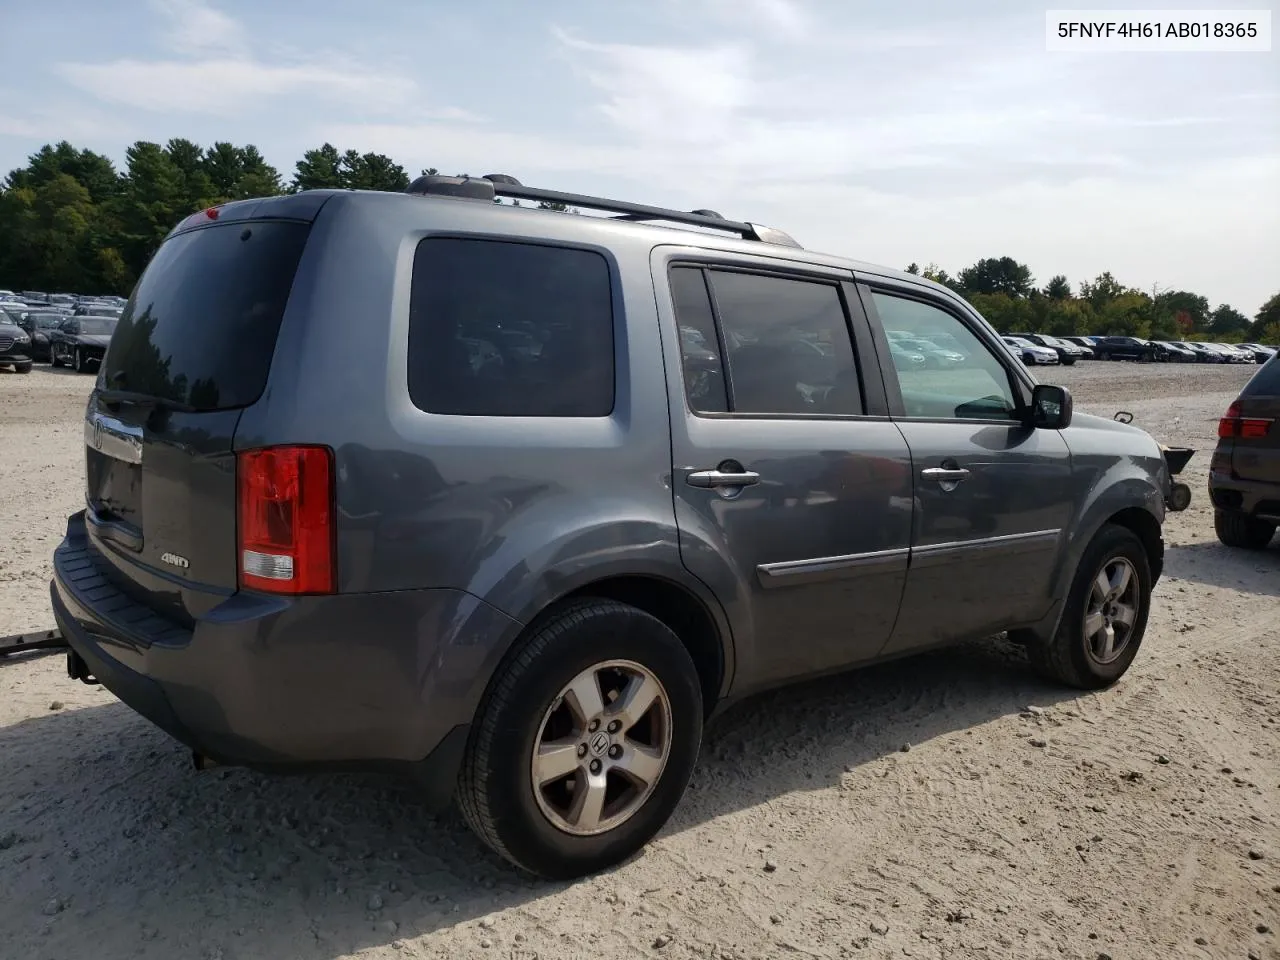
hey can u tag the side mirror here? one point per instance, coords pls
(1050, 407)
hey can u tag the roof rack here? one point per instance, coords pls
(494, 185)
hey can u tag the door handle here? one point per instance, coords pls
(719, 478)
(945, 474)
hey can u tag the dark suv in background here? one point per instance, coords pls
(578, 483)
(1244, 474)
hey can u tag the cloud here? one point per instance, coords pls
(195, 28)
(214, 70)
(228, 87)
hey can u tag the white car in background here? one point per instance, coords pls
(1031, 354)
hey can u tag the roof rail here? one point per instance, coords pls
(494, 185)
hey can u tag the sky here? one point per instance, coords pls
(918, 131)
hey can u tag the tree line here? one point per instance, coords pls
(70, 221)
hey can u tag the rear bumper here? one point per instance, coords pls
(1256, 498)
(362, 681)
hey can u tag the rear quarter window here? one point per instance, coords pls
(202, 323)
(508, 329)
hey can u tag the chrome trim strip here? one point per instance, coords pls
(793, 572)
(113, 438)
(1012, 544)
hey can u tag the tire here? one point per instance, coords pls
(529, 691)
(22, 367)
(1068, 360)
(77, 361)
(1071, 657)
(54, 359)
(1241, 530)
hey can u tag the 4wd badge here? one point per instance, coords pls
(175, 561)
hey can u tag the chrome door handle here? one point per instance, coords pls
(717, 478)
(945, 474)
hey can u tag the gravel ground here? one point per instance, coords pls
(947, 806)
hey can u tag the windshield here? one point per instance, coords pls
(47, 321)
(97, 326)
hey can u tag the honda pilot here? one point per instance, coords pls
(571, 485)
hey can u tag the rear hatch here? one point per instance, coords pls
(1255, 448)
(192, 349)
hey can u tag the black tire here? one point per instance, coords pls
(495, 792)
(22, 367)
(1068, 360)
(1066, 658)
(1241, 530)
(77, 361)
(54, 359)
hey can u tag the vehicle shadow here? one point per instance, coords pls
(103, 822)
(1214, 565)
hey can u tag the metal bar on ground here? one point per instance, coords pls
(37, 640)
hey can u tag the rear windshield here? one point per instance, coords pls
(201, 325)
(96, 326)
(1266, 382)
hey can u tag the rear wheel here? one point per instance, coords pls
(585, 741)
(1242, 530)
(77, 361)
(54, 358)
(1105, 617)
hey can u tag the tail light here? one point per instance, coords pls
(284, 512)
(1235, 426)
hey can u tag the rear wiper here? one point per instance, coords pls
(113, 397)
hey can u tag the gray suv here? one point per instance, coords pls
(513, 500)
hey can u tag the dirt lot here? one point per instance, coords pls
(948, 806)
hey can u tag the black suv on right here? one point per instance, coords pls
(1244, 475)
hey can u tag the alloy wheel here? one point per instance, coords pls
(601, 747)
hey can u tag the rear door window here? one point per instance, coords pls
(507, 329)
(788, 345)
(201, 326)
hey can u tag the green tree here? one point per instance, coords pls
(1128, 315)
(1228, 321)
(1265, 319)
(1057, 288)
(935, 273)
(319, 169)
(997, 275)
(1182, 312)
(1004, 311)
(913, 267)
(1103, 290)
(371, 171)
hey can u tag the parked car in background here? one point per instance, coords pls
(80, 342)
(1177, 352)
(1261, 352)
(41, 326)
(1230, 353)
(1203, 352)
(1068, 352)
(1126, 348)
(1244, 474)
(1031, 354)
(530, 583)
(15, 347)
(1084, 342)
(935, 357)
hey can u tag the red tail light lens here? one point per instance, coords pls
(1245, 428)
(1227, 425)
(285, 510)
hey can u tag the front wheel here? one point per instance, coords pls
(77, 361)
(585, 741)
(1241, 530)
(22, 367)
(1105, 617)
